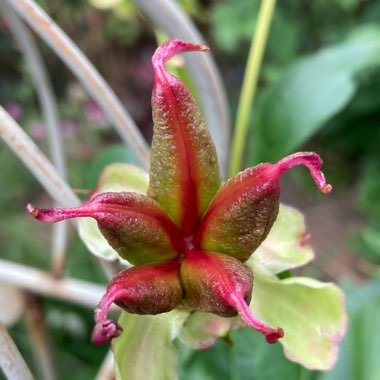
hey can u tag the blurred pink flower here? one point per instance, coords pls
(37, 130)
(3, 25)
(94, 113)
(14, 109)
(69, 128)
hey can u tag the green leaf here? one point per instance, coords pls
(310, 93)
(210, 364)
(249, 358)
(115, 177)
(145, 349)
(311, 313)
(115, 154)
(348, 5)
(234, 22)
(252, 354)
(369, 189)
(358, 358)
(370, 237)
(283, 248)
(365, 341)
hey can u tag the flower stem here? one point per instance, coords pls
(250, 83)
(39, 282)
(37, 329)
(12, 363)
(86, 73)
(33, 158)
(40, 78)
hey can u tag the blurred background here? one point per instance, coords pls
(319, 90)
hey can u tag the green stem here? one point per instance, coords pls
(250, 83)
(304, 374)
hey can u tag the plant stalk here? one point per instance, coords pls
(249, 86)
(35, 319)
(36, 161)
(41, 82)
(38, 282)
(38, 164)
(11, 362)
(86, 73)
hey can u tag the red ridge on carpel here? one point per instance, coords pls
(261, 176)
(147, 289)
(244, 181)
(168, 93)
(132, 204)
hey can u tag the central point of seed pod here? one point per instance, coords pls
(189, 243)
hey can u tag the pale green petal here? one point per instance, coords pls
(283, 249)
(311, 313)
(145, 349)
(104, 4)
(123, 177)
(115, 177)
(95, 242)
(201, 330)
